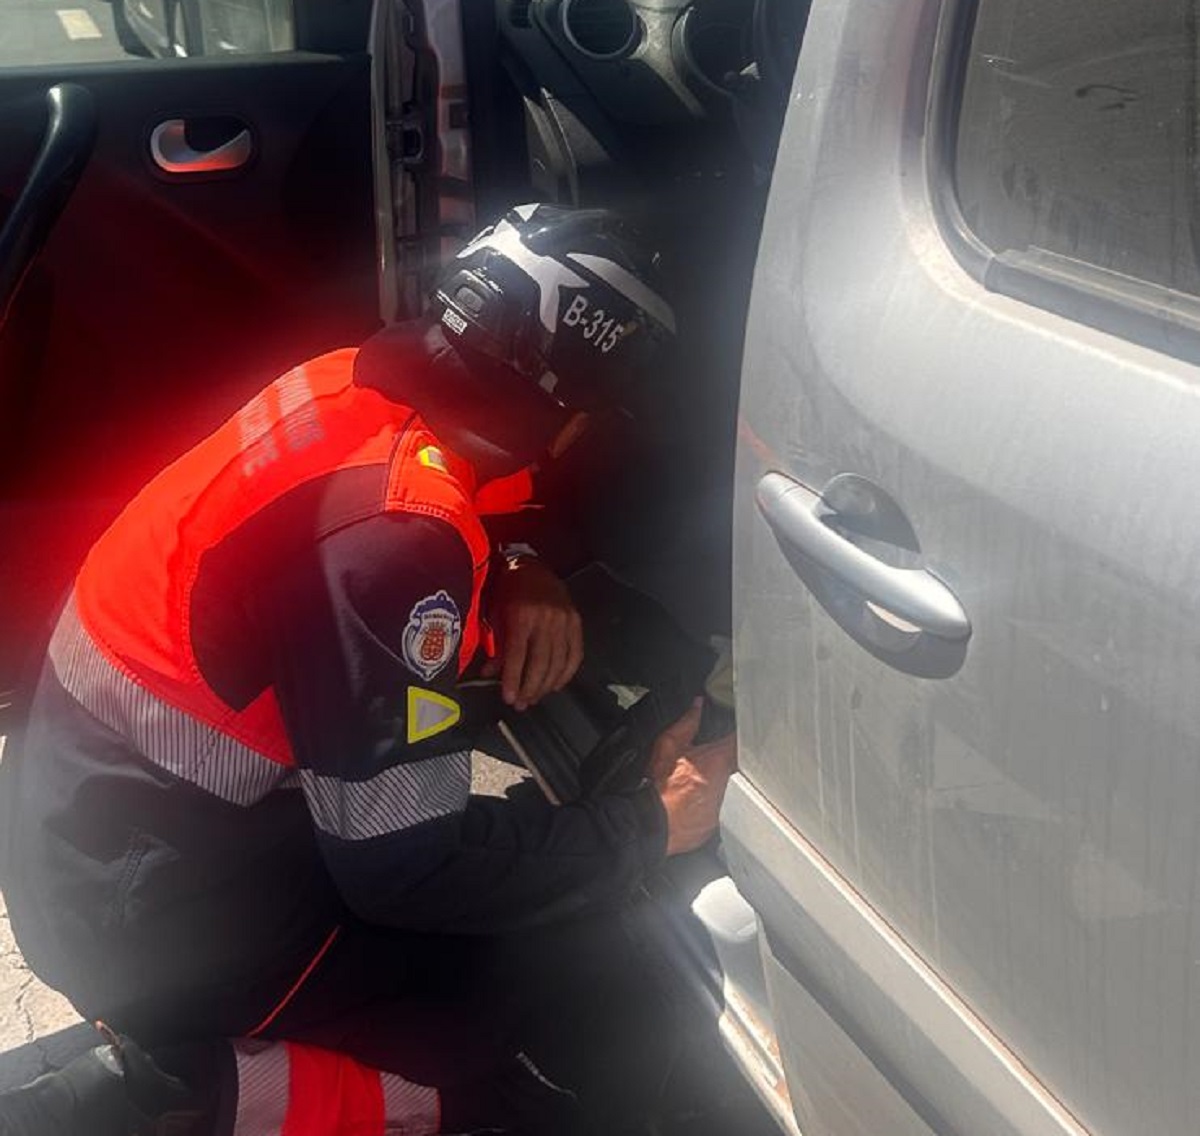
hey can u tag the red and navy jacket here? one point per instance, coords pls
(246, 732)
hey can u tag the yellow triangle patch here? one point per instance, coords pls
(430, 714)
(433, 458)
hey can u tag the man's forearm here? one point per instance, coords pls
(503, 865)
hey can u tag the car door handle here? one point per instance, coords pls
(66, 147)
(173, 154)
(915, 595)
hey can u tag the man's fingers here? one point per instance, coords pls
(537, 666)
(672, 741)
(574, 657)
(560, 650)
(541, 654)
(661, 763)
(554, 647)
(543, 647)
(718, 756)
(516, 646)
(567, 650)
(679, 735)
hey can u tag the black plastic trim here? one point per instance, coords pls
(332, 26)
(71, 128)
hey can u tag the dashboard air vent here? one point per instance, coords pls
(602, 29)
(518, 13)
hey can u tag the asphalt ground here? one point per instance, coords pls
(28, 1009)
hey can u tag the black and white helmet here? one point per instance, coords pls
(568, 298)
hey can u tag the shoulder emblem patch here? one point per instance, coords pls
(432, 635)
(430, 714)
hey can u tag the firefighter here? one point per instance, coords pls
(241, 810)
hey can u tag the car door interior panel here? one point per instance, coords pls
(158, 299)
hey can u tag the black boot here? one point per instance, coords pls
(112, 1090)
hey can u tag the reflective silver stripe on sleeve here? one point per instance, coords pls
(391, 801)
(171, 738)
(408, 1109)
(264, 1083)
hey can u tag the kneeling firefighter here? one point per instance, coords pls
(239, 828)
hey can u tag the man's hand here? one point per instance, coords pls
(691, 780)
(540, 633)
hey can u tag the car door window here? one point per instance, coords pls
(1077, 138)
(97, 31)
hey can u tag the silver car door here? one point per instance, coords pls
(967, 572)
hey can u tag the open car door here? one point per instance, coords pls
(173, 233)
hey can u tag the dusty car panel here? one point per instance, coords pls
(1013, 812)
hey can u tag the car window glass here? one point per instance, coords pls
(1077, 134)
(66, 32)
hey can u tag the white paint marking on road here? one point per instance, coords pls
(78, 24)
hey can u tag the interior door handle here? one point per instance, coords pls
(173, 154)
(916, 596)
(66, 147)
